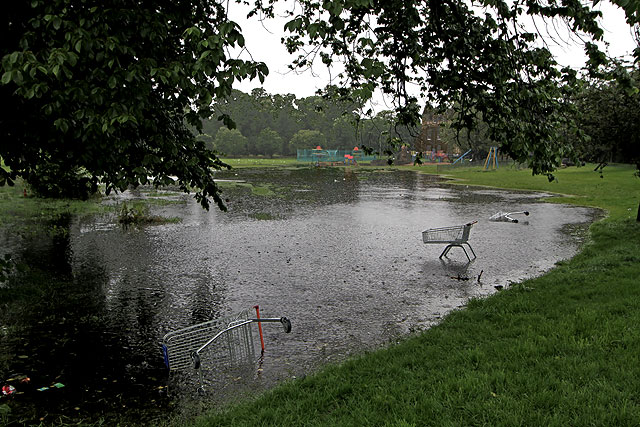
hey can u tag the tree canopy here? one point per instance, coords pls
(114, 88)
(609, 114)
(112, 91)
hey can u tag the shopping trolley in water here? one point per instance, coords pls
(506, 216)
(455, 236)
(222, 341)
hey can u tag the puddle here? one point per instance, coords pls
(339, 253)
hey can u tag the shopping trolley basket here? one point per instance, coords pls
(455, 236)
(231, 336)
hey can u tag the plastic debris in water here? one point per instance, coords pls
(8, 389)
(506, 216)
(56, 385)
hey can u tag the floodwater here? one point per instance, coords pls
(339, 253)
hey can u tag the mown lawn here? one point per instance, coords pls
(559, 350)
(261, 162)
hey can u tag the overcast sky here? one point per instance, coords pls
(263, 41)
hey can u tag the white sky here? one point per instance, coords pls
(263, 42)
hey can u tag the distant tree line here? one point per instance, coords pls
(268, 125)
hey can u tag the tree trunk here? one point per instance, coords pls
(638, 216)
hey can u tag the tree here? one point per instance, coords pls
(230, 142)
(307, 139)
(344, 131)
(268, 142)
(112, 90)
(475, 139)
(608, 112)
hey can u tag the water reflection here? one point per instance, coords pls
(340, 253)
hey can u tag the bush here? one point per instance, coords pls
(52, 181)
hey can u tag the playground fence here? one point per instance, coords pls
(332, 156)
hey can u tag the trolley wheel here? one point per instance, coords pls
(286, 324)
(196, 360)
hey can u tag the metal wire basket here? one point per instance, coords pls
(221, 342)
(454, 236)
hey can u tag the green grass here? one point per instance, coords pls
(138, 214)
(618, 191)
(15, 206)
(559, 350)
(261, 162)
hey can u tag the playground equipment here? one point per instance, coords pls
(356, 154)
(188, 347)
(492, 159)
(455, 236)
(349, 160)
(461, 157)
(506, 216)
(319, 155)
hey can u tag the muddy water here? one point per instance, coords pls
(339, 253)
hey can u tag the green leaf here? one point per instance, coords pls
(293, 25)
(17, 77)
(313, 30)
(72, 58)
(6, 77)
(206, 98)
(225, 28)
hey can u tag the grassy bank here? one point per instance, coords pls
(562, 349)
(616, 191)
(17, 203)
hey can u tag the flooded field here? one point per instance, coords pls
(340, 253)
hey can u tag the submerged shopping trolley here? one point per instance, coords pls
(506, 216)
(455, 236)
(225, 341)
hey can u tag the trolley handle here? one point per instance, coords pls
(471, 223)
(286, 323)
